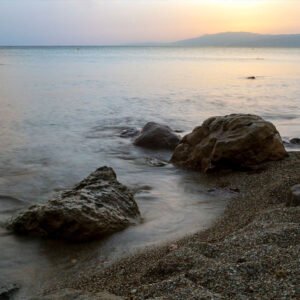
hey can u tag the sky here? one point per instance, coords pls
(111, 22)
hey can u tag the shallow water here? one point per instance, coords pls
(62, 111)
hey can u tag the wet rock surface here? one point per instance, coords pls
(157, 136)
(97, 206)
(295, 141)
(292, 143)
(129, 132)
(232, 141)
(155, 162)
(7, 291)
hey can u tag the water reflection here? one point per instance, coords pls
(61, 115)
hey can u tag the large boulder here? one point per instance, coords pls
(157, 136)
(236, 140)
(95, 207)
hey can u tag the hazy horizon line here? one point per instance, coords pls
(153, 43)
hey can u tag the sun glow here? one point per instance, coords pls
(239, 3)
(261, 16)
(126, 21)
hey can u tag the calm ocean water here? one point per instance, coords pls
(61, 113)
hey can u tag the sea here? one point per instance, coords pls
(62, 114)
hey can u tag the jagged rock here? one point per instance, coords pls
(294, 196)
(97, 206)
(237, 140)
(157, 136)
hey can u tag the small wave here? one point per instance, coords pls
(10, 204)
(291, 143)
(280, 116)
(110, 131)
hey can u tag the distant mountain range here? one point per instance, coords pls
(242, 39)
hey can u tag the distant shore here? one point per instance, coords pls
(250, 251)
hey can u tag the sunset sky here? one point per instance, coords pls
(102, 22)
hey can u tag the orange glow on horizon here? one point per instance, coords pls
(126, 21)
(259, 16)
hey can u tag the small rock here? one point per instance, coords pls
(295, 141)
(130, 132)
(294, 196)
(280, 273)
(251, 77)
(157, 136)
(154, 162)
(173, 247)
(7, 291)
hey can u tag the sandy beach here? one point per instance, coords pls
(251, 252)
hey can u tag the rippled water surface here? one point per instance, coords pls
(62, 111)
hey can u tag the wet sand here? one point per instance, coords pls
(250, 252)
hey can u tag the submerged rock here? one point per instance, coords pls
(97, 206)
(7, 291)
(237, 140)
(129, 132)
(154, 162)
(294, 196)
(157, 136)
(295, 141)
(291, 143)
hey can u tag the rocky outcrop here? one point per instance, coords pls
(157, 136)
(97, 206)
(237, 140)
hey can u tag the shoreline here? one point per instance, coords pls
(250, 251)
